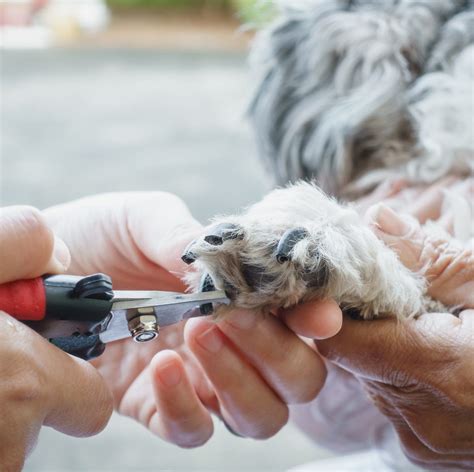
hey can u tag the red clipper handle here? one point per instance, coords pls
(25, 300)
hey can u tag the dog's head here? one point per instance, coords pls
(336, 99)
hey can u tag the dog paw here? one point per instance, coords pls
(270, 256)
(297, 245)
(260, 266)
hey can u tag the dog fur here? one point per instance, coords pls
(351, 93)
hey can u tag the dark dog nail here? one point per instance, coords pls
(223, 232)
(206, 285)
(288, 242)
(188, 256)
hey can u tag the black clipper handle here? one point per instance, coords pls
(71, 297)
(84, 346)
(83, 299)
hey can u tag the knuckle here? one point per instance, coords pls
(417, 453)
(24, 378)
(311, 394)
(33, 225)
(32, 220)
(187, 434)
(440, 445)
(308, 390)
(330, 349)
(103, 406)
(23, 385)
(441, 258)
(268, 429)
(193, 440)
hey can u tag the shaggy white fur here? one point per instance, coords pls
(352, 92)
(296, 245)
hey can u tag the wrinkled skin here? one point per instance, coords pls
(419, 373)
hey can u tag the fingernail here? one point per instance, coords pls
(241, 319)
(170, 375)
(61, 254)
(390, 222)
(211, 340)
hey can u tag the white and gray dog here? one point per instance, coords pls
(351, 93)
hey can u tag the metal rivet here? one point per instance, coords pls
(143, 328)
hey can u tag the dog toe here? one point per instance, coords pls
(223, 232)
(287, 242)
(189, 256)
(206, 285)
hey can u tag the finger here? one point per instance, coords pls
(446, 264)
(402, 234)
(286, 363)
(162, 226)
(83, 403)
(28, 247)
(374, 350)
(385, 190)
(446, 221)
(424, 456)
(315, 320)
(179, 417)
(248, 405)
(383, 349)
(428, 204)
(72, 395)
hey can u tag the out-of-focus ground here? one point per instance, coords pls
(81, 121)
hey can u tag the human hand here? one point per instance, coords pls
(419, 372)
(244, 369)
(40, 384)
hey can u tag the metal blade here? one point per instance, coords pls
(169, 308)
(115, 327)
(162, 299)
(122, 295)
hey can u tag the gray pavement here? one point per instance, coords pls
(76, 122)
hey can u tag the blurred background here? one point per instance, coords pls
(134, 95)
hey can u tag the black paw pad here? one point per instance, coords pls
(188, 256)
(223, 232)
(206, 285)
(287, 242)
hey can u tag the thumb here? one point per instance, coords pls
(28, 248)
(64, 392)
(78, 401)
(447, 265)
(82, 403)
(379, 350)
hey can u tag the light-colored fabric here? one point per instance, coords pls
(343, 419)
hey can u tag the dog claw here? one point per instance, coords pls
(223, 232)
(288, 242)
(188, 256)
(206, 285)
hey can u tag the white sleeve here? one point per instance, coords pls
(341, 418)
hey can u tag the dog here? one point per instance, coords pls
(351, 93)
